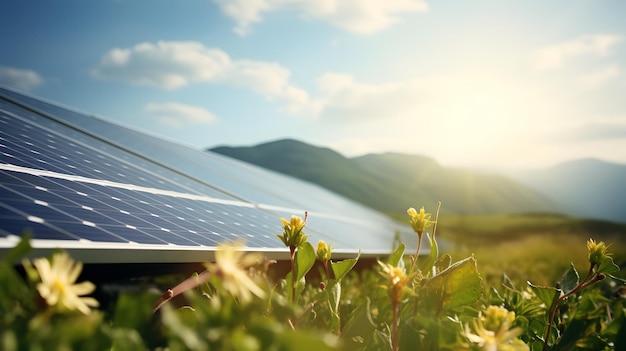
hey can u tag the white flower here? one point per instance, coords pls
(58, 286)
(493, 331)
(230, 264)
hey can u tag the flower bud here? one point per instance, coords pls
(597, 251)
(323, 252)
(293, 235)
(419, 220)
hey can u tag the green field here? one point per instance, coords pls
(534, 247)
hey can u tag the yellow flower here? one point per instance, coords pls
(323, 252)
(419, 221)
(231, 265)
(397, 278)
(597, 251)
(293, 235)
(492, 331)
(57, 283)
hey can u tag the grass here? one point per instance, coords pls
(534, 247)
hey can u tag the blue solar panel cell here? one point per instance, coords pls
(79, 181)
(252, 183)
(79, 155)
(102, 207)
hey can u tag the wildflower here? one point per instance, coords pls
(230, 265)
(398, 280)
(292, 235)
(493, 331)
(597, 251)
(419, 221)
(57, 283)
(323, 252)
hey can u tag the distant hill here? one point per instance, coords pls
(393, 182)
(589, 187)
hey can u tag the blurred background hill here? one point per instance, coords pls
(585, 187)
(392, 182)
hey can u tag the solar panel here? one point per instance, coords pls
(112, 194)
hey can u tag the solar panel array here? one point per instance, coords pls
(113, 194)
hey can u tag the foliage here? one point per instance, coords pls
(404, 302)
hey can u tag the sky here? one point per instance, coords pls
(483, 84)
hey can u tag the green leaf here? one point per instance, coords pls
(305, 258)
(179, 331)
(188, 316)
(546, 294)
(300, 287)
(396, 257)
(333, 291)
(432, 257)
(607, 266)
(570, 279)
(457, 286)
(126, 340)
(443, 262)
(289, 286)
(360, 324)
(341, 268)
(573, 334)
(306, 341)
(334, 295)
(133, 311)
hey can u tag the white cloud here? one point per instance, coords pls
(587, 45)
(268, 79)
(245, 12)
(173, 114)
(22, 79)
(172, 65)
(362, 16)
(358, 16)
(166, 64)
(596, 78)
(341, 97)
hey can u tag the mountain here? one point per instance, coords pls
(590, 187)
(392, 182)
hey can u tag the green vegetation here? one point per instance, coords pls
(536, 247)
(390, 183)
(405, 302)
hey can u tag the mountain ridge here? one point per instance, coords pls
(588, 187)
(392, 182)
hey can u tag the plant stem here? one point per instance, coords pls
(417, 252)
(436, 218)
(327, 271)
(395, 336)
(583, 284)
(292, 256)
